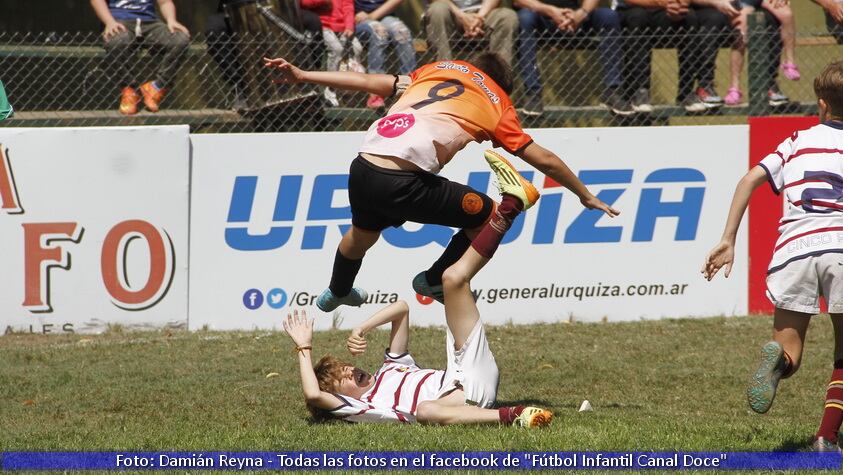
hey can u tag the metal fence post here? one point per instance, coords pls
(758, 63)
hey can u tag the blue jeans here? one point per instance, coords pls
(603, 21)
(378, 35)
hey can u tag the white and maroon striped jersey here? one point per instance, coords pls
(400, 385)
(808, 169)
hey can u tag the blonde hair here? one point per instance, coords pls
(328, 371)
(828, 86)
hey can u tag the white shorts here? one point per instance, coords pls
(472, 368)
(800, 284)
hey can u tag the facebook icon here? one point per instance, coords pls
(252, 299)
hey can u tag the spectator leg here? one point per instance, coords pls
(333, 49)
(403, 40)
(440, 27)
(787, 30)
(118, 53)
(638, 42)
(684, 34)
(376, 38)
(223, 50)
(715, 32)
(502, 23)
(530, 23)
(607, 24)
(775, 49)
(311, 58)
(173, 45)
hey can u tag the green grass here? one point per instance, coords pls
(657, 385)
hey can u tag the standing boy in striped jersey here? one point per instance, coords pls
(808, 258)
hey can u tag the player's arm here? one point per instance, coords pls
(380, 84)
(551, 165)
(723, 253)
(300, 330)
(398, 314)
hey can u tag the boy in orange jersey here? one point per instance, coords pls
(442, 107)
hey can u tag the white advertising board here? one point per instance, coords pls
(268, 211)
(94, 227)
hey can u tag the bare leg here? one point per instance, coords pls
(739, 48)
(461, 312)
(357, 241)
(789, 329)
(451, 409)
(788, 31)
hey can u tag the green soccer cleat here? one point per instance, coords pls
(511, 182)
(762, 384)
(328, 302)
(822, 445)
(422, 287)
(533, 417)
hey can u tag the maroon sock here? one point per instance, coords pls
(509, 414)
(788, 366)
(833, 413)
(489, 238)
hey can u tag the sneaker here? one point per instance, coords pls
(640, 101)
(733, 97)
(533, 106)
(152, 96)
(693, 104)
(708, 96)
(422, 287)
(532, 417)
(330, 97)
(617, 104)
(511, 182)
(791, 71)
(822, 445)
(775, 97)
(762, 385)
(129, 100)
(328, 302)
(375, 102)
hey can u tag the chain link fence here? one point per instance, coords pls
(68, 79)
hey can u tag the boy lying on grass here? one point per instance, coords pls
(400, 391)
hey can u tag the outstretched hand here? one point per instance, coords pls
(594, 202)
(356, 342)
(287, 72)
(299, 328)
(723, 255)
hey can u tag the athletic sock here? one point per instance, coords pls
(456, 248)
(489, 238)
(833, 412)
(787, 370)
(345, 271)
(508, 414)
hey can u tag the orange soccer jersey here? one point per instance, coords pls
(447, 105)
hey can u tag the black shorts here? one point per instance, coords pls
(381, 198)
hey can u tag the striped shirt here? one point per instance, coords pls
(808, 169)
(400, 386)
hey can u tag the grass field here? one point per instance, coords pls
(660, 385)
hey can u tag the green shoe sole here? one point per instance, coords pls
(762, 384)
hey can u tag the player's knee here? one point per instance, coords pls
(454, 277)
(426, 412)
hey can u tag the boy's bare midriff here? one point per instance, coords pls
(391, 163)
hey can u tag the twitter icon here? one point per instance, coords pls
(276, 298)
